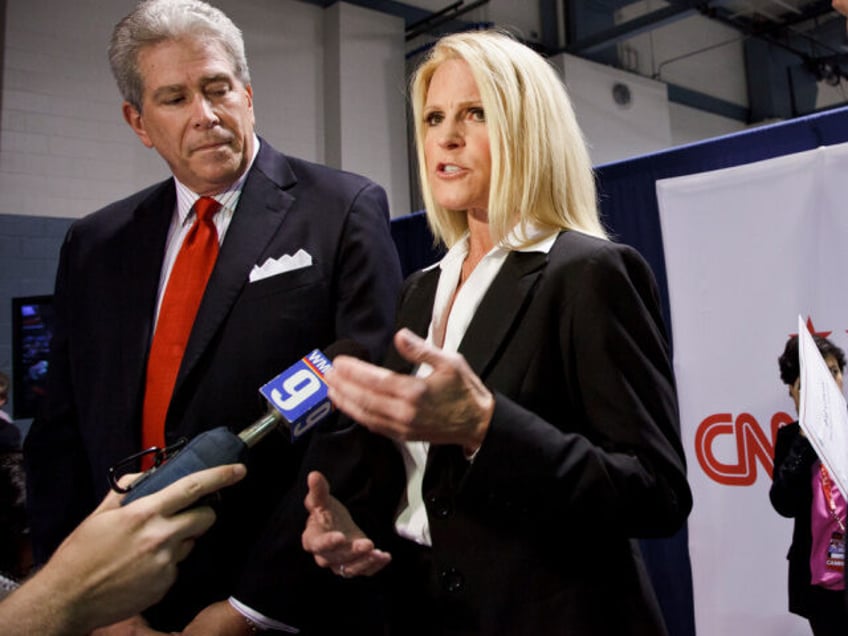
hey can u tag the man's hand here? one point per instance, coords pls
(120, 560)
(135, 626)
(219, 619)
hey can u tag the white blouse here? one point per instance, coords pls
(411, 521)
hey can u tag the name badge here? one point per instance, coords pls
(836, 553)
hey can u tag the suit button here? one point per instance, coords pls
(452, 580)
(440, 506)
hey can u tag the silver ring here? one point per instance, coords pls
(342, 572)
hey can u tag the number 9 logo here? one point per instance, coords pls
(300, 386)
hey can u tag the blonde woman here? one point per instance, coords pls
(529, 399)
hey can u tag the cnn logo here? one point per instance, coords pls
(742, 437)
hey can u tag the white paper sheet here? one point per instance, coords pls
(824, 415)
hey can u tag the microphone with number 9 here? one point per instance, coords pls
(298, 399)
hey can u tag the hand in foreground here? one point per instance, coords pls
(841, 6)
(450, 406)
(218, 619)
(135, 626)
(333, 538)
(118, 561)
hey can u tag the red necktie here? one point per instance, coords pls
(183, 292)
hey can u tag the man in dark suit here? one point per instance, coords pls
(304, 258)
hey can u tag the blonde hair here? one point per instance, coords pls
(541, 171)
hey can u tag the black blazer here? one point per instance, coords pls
(536, 536)
(791, 495)
(244, 334)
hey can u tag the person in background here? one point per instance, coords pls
(529, 400)
(10, 435)
(175, 304)
(803, 490)
(842, 7)
(117, 561)
(15, 556)
(15, 549)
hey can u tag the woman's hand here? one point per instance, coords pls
(449, 406)
(333, 538)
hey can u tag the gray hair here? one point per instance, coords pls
(155, 21)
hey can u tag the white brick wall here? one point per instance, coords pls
(64, 147)
(359, 142)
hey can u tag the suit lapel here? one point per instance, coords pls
(260, 212)
(500, 308)
(415, 314)
(493, 322)
(494, 319)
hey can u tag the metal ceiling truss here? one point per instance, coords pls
(805, 29)
(808, 32)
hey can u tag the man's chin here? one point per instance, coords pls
(222, 173)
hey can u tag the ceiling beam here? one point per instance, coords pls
(780, 34)
(410, 14)
(631, 28)
(417, 21)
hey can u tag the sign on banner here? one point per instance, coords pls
(823, 417)
(747, 249)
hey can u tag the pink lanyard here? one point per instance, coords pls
(827, 489)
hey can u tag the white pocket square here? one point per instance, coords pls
(276, 266)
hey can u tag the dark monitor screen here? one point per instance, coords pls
(32, 330)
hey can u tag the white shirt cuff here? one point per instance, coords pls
(262, 622)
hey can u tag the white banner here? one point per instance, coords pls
(747, 250)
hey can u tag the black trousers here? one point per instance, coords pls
(828, 612)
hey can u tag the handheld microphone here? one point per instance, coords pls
(297, 399)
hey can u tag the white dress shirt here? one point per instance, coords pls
(181, 222)
(184, 216)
